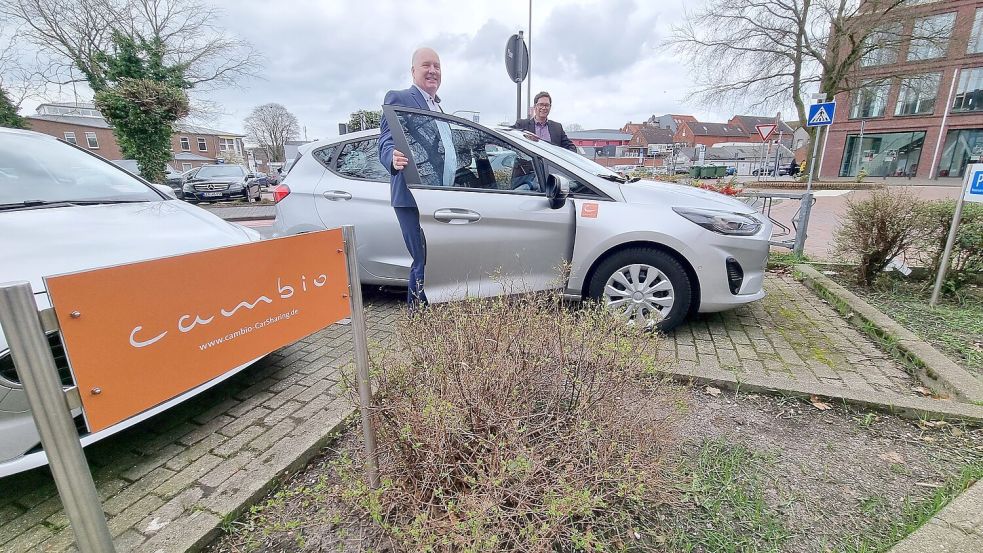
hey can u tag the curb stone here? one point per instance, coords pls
(903, 406)
(937, 371)
(957, 528)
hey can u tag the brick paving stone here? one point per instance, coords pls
(188, 474)
(245, 421)
(144, 486)
(133, 514)
(238, 441)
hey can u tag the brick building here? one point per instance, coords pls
(691, 133)
(599, 142)
(935, 74)
(83, 125)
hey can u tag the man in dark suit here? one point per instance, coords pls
(425, 69)
(540, 125)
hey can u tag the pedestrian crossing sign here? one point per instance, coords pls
(821, 115)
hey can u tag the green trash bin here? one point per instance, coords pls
(719, 172)
(695, 171)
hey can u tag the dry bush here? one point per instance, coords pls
(518, 424)
(877, 229)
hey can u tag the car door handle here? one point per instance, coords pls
(337, 195)
(456, 216)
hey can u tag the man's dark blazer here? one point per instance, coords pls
(557, 136)
(399, 193)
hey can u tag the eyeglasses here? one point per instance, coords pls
(543, 105)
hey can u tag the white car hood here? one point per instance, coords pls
(44, 242)
(677, 195)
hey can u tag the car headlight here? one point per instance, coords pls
(721, 222)
(188, 187)
(236, 186)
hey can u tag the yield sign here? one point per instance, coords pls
(766, 130)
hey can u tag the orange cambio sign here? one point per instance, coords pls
(140, 334)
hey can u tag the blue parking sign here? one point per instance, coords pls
(974, 188)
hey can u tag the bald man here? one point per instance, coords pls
(425, 71)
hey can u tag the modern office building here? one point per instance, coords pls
(919, 109)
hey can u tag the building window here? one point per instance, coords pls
(962, 147)
(185, 144)
(186, 167)
(226, 144)
(969, 93)
(976, 37)
(930, 37)
(91, 140)
(869, 100)
(202, 146)
(70, 138)
(883, 155)
(881, 46)
(917, 95)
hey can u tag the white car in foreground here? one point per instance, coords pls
(501, 208)
(64, 210)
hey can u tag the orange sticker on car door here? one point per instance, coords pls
(589, 210)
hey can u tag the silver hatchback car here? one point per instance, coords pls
(518, 210)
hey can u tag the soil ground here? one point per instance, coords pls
(755, 473)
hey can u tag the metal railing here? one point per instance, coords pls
(784, 236)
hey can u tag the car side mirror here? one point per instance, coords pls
(557, 190)
(250, 175)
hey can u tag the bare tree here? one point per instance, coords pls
(73, 35)
(271, 126)
(771, 53)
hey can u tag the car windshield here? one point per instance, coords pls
(575, 159)
(41, 170)
(219, 171)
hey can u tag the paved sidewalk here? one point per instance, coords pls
(241, 213)
(831, 205)
(167, 484)
(790, 335)
(958, 528)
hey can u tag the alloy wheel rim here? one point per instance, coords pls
(640, 292)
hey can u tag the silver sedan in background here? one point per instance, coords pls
(503, 211)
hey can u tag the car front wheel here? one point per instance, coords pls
(646, 285)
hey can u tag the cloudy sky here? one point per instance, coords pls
(603, 61)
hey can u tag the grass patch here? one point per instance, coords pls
(729, 512)
(785, 260)
(954, 327)
(913, 514)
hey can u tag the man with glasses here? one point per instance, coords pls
(540, 124)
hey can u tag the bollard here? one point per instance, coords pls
(39, 376)
(361, 356)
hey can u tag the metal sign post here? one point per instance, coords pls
(972, 192)
(361, 357)
(49, 407)
(820, 115)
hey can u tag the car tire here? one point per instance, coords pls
(662, 277)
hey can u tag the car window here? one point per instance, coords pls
(38, 169)
(449, 154)
(578, 188)
(219, 171)
(361, 161)
(324, 155)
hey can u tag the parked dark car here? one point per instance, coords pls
(214, 183)
(170, 175)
